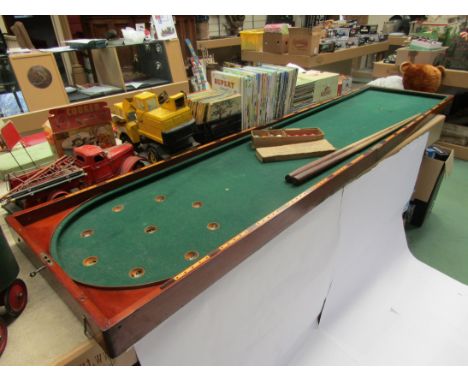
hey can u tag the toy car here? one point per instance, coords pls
(89, 165)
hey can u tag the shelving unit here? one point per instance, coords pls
(398, 40)
(309, 62)
(106, 58)
(219, 42)
(452, 77)
(223, 49)
(122, 67)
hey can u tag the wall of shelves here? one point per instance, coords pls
(108, 71)
(32, 121)
(309, 62)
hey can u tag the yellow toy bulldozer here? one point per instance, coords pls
(158, 125)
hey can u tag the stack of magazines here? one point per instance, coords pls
(266, 91)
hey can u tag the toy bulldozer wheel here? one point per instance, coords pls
(3, 336)
(153, 154)
(15, 298)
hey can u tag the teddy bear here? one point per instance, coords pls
(421, 77)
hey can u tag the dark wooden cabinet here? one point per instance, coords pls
(100, 26)
(185, 26)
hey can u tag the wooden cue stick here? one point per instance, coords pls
(311, 169)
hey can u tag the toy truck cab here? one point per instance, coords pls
(101, 164)
(129, 114)
(170, 125)
(158, 125)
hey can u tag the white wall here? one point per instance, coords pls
(257, 21)
(218, 29)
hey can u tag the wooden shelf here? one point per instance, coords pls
(398, 40)
(108, 71)
(218, 42)
(308, 62)
(32, 122)
(452, 77)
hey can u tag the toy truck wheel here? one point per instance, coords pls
(3, 336)
(153, 154)
(15, 298)
(130, 164)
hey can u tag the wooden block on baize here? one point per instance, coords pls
(294, 151)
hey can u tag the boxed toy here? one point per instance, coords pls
(327, 46)
(342, 33)
(304, 41)
(74, 126)
(368, 29)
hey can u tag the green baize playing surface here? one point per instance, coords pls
(235, 189)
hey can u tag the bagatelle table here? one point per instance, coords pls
(152, 240)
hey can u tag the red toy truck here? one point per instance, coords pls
(90, 165)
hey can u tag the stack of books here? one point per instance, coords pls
(304, 92)
(314, 86)
(213, 105)
(266, 91)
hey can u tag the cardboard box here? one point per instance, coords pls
(74, 126)
(275, 42)
(430, 176)
(91, 354)
(460, 152)
(455, 134)
(304, 41)
(64, 142)
(418, 56)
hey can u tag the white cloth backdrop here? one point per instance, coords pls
(386, 307)
(382, 305)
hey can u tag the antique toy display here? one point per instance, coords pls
(83, 139)
(133, 250)
(157, 125)
(89, 165)
(74, 126)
